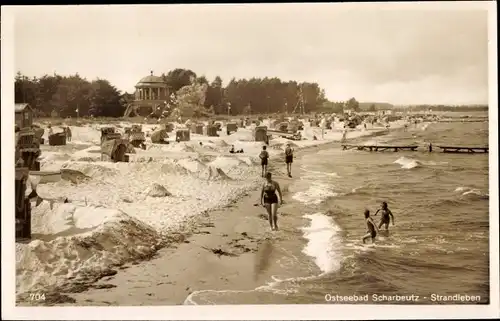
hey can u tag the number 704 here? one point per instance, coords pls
(37, 296)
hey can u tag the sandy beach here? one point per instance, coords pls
(102, 247)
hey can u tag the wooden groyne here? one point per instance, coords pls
(414, 148)
(380, 148)
(470, 150)
(463, 120)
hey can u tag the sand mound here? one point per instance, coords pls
(174, 168)
(158, 190)
(249, 161)
(193, 165)
(88, 159)
(76, 243)
(228, 163)
(51, 156)
(220, 143)
(187, 148)
(89, 169)
(212, 173)
(73, 176)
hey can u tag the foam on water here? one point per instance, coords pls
(318, 173)
(470, 191)
(315, 194)
(323, 242)
(407, 163)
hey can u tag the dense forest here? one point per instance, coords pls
(77, 96)
(71, 96)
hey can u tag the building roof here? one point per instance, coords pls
(151, 81)
(21, 107)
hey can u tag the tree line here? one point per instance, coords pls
(71, 96)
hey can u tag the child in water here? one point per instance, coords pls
(386, 216)
(372, 228)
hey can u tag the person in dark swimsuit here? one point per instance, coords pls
(386, 216)
(264, 156)
(269, 199)
(372, 228)
(289, 159)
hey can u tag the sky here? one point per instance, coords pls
(406, 54)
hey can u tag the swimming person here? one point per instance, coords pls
(372, 228)
(289, 159)
(264, 156)
(386, 216)
(269, 199)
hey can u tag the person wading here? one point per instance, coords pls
(269, 199)
(372, 228)
(386, 216)
(264, 157)
(289, 159)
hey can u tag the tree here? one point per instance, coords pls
(190, 100)
(214, 96)
(179, 78)
(105, 100)
(353, 104)
(372, 107)
(72, 96)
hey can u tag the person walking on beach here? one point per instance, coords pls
(264, 156)
(289, 159)
(269, 199)
(372, 228)
(386, 216)
(344, 135)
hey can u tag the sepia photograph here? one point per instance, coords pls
(228, 161)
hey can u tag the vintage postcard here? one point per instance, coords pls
(250, 161)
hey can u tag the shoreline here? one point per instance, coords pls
(174, 249)
(221, 253)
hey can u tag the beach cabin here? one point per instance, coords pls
(116, 150)
(28, 148)
(197, 129)
(231, 128)
(159, 136)
(109, 133)
(169, 127)
(57, 139)
(210, 130)
(136, 136)
(282, 127)
(23, 205)
(24, 115)
(183, 135)
(260, 134)
(218, 125)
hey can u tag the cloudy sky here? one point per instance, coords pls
(402, 55)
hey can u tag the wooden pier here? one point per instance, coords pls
(470, 150)
(463, 120)
(379, 148)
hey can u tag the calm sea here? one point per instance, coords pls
(437, 247)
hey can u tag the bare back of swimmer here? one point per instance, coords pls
(372, 228)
